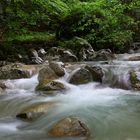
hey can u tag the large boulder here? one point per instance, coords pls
(80, 76)
(135, 79)
(34, 111)
(67, 56)
(70, 126)
(46, 75)
(17, 71)
(102, 55)
(96, 71)
(58, 68)
(41, 53)
(61, 54)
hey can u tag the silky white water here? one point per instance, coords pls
(110, 112)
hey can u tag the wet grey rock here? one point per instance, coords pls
(67, 56)
(41, 53)
(33, 53)
(86, 53)
(80, 76)
(60, 54)
(3, 86)
(54, 86)
(134, 58)
(46, 75)
(70, 126)
(34, 111)
(96, 71)
(36, 60)
(135, 79)
(17, 71)
(102, 55)
(81, 47)
(57, 67)
(3, 63)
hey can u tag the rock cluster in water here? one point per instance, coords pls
(48, 74)
(79, 50)
(34, 111)
(17, 71)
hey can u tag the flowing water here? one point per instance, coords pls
(111, 110)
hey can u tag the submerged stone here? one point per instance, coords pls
(34, 111)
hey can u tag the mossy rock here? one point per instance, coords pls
(135, 81)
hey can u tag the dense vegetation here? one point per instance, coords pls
(104, 23)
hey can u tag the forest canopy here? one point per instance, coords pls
(103, 23)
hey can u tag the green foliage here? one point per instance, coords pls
(32, 37)
(103, 23)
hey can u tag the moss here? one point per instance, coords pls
(32, 36)
(135, 83)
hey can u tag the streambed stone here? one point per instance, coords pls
(34, 111)
(70, 126)
(102, 55)
(80, 76)
(17, 71)
(61, 54)
(67, 56)
(135, 79)
(134, 58)
(2, 87)
(96, 71)
(58, 68)
(54, 86)
(49, 73)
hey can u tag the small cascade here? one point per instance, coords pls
(117, 76)
(26, 84)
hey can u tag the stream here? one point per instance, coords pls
(111, 110)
